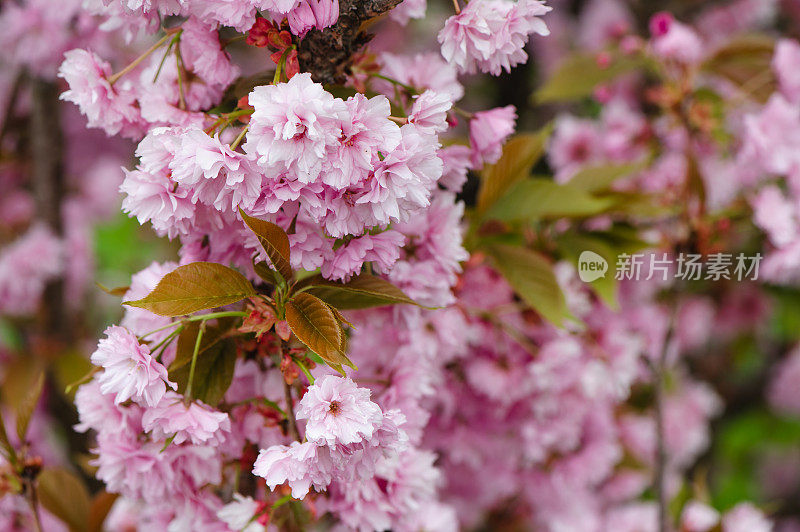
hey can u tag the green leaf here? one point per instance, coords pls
(193, 287)
(362, 291)
(572, 244)
(216, 359)
(532, 278)
(315, 324)
(580, 73)
(600, 178)
(747, 63)
(520, 154)
(64, 495)
(639, 204)
(28, 405)
(533, 199)
(275, 242)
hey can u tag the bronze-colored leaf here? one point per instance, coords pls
(362, 291)
(193, 287)
(28, 405)
(118, 291)
(64, 495)
(747, 63)
(275, 242)
(314, 324)
(101, 505)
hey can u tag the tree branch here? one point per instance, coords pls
(661, 451)
(327, 54)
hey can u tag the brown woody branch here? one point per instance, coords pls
(328, 54)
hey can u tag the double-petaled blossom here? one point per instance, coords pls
(338, 412)
(216, 175)
(129, 369)
(490, 35)
(196, 422)
(106, 106)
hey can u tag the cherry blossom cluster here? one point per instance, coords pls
(472, 408)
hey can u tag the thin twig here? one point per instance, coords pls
(33, 501)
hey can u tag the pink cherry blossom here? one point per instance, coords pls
(429, 112)
(786, 65)
(488, 131)
(489, 35)
(293, 125)
(108, 107)
(195, 422)
(129, 370)
(301, 465)
(217, 176)
(338, 411)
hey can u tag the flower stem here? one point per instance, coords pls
(164, 58)
(457, 8)
(194, 359)
(113, 79)
(305, 371)
(278, 69)
(406, 86)
(239, 138)
(33, 500)
(171, 324)
(165, 342)
(214, 315)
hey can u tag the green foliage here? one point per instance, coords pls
(785, 319)
(193, 287)
(532, 278)
(520, 154)
(740, 441)
(600, 178)
(533, 199)
(579, 75)
(121, 247)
